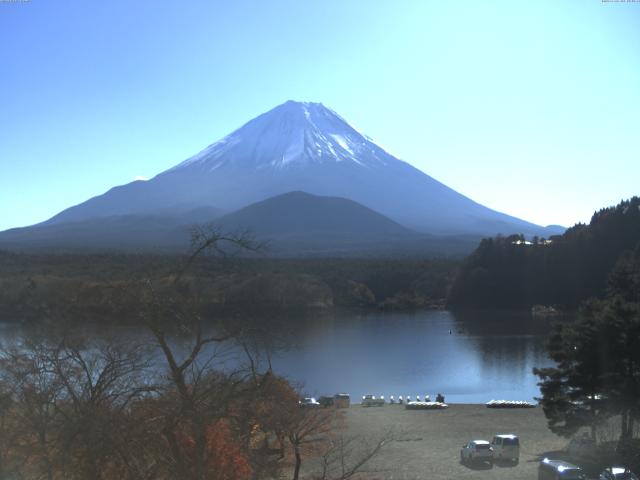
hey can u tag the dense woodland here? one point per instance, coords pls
(563, 271)
(99, 286)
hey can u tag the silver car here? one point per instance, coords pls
(476, 451)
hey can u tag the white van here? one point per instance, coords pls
(506, 447)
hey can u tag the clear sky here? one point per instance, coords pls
(529, 107)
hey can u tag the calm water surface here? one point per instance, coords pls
(470, 358)
(486, 356)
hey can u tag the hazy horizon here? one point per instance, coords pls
(529, 109)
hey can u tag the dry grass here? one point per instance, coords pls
(430, 441)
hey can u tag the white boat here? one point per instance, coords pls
(509, 404)
(426, 406)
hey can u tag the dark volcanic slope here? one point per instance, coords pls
(303, 215)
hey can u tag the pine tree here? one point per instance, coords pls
(597, 374)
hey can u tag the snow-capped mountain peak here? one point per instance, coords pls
(305, 147)
(292, 135)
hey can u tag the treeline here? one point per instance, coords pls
(510, 272)
(100, 286)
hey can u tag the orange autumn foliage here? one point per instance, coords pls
(226, 460)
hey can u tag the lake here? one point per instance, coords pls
(470, 357)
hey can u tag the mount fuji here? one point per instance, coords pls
(303, 147)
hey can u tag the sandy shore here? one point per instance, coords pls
(430, 441)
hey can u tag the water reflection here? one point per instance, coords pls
(469, 356)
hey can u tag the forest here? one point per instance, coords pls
(99, 286)
(562, 271)
(594, 383)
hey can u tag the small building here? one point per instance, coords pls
(342, 400)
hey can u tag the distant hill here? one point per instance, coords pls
(292, 224)
(508, 272)
(298, 222)
(301, 214)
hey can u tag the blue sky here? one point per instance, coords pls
(531, 108)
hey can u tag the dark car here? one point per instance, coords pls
(559, 470)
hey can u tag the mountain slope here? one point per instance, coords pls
(301, 224)
(303, 147)
(164, 231)
(300, 214)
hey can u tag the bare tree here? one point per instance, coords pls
(200, 395)
(347, 457)
(70, 404)
(306, 430)
(33, 395)
(6, 431)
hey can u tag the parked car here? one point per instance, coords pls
(559, 470)
(582, 447)
(309, 402)
(506, 447)
(617, 473)
(476, 451)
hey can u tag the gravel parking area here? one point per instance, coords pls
(430, 441)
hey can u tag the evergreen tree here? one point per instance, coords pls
(597, 374)
(506, 273)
